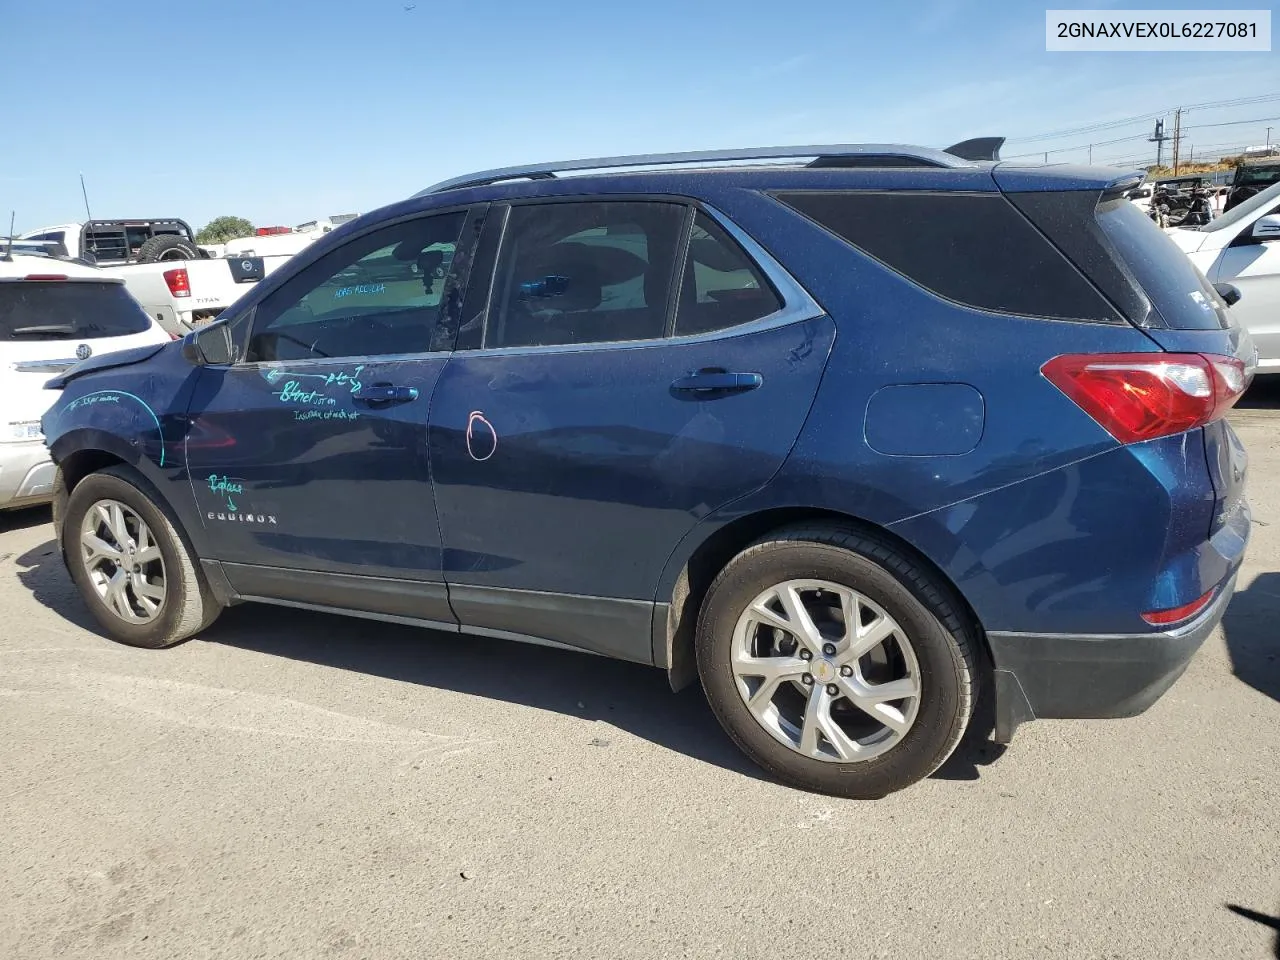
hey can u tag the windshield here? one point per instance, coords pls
(1236, 214)
(1267, 173)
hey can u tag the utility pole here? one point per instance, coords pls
(1268, 139)
(1091, 154)
(1158, 138)
(1177, 137)
(1046, 156)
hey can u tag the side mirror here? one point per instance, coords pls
(1267, 228)
(210, 347)
(1229, 292)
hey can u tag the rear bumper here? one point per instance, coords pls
(1043, 676)
(26, 474)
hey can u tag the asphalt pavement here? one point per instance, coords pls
(305, 786)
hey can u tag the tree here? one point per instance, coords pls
(222, 229)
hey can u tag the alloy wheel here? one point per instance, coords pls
(122, 561)
(826, 670)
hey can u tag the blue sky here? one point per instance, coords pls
(286, 110)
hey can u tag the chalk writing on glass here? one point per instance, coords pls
(360, 288)
(482, 439)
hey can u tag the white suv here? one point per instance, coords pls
(52, 315)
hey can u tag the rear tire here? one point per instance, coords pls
(132, 566)
(167, 247)
(828, 577)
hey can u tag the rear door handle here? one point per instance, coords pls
(715, 382)
(382, 393)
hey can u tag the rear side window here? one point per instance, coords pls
(584, 272)
(1173, 284)
(974, 249)
(722, 286)
(77, 310)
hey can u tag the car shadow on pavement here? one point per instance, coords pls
(1262, 918)
(628, 696)
(1263, 393)
(23, 519)
(1250, 630)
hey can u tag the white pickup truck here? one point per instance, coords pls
(178, 282)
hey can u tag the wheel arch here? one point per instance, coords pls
(83, 452)
(680, 600)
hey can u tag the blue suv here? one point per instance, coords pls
(856, 435)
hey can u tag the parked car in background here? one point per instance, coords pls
(177, 282)
(748, 424)
(53, 314)
(284, 240)
(1251, 178)
(117, 242)
(1140, 196)
(1242, 248)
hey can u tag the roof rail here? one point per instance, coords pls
(828, 155)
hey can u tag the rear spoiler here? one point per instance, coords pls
(979, 148)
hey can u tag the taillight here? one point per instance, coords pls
(178, 281)
(45, 276)
(1165, 618)
(1141, 396)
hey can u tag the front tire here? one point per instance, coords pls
(133, 568)
(836, 662)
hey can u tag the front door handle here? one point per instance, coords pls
(383, 393)
(715, 382)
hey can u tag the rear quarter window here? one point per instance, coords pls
(975, 249)
(77, 310)
(1177, 289)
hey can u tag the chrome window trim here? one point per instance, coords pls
(797, 305)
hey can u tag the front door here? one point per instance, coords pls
(308, 457)
(575, 445)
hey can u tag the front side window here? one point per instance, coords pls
(584, 272)
(377, 295)
(722, 287)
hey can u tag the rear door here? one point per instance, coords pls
(635, 370)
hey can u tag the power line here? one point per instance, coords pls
(1229, 123)
(1141, 136)
(1112, 124)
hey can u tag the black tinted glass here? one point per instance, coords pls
(1173, 284)
(584, 273)
(974, 249)
(722, 286)
(379, 294)
(77, 310)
